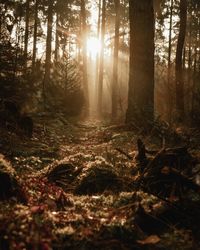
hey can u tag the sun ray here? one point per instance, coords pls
(93, 46)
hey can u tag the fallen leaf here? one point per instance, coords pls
(87, 232)
(165, 170)
(37, 209)
(152, 239)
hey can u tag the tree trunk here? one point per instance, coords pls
(98, 54)
(141, 76)
(57, 38)
(35, 35)
(84, 51)
(26, 33)
(179, 62)
(115, 60)
(188, 100)
(48, 46)
(196, 72)
(169, 78)
(194, 83)
(101, 62)
(190, 47)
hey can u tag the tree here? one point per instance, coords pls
(84, 52)
(115, 59)
(57, 37)
(169, 97)
(98, 54)
(141, 76)
(48, 45)
(101, 61)
(35, 35)
(26, 32)
(179, 61)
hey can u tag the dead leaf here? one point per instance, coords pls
(87, 232)
(37, 209)
(165, 170)
(152, 239)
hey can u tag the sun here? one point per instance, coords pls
(93, 47)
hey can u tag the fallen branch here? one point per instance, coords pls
(184, 180)
(124, 153)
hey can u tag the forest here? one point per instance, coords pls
(99, 124)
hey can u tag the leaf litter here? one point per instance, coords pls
(82, 193)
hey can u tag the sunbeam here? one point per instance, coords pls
(93, 46)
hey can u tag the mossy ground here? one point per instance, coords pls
(58, 218)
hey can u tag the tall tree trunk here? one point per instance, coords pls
(184, 58)
(48, 46)
(101, 62)
(26, 32)
(141, 76)
(57, 38)
(196, 72)
(190, 45)
(35, 35)
(19, 50)
(194, 83)
(84, 51)
(188, 101)
(98, 54)
(115, 60)
(169, 83)
(179, 62)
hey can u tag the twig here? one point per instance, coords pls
(124, 153)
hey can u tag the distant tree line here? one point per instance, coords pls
(44, 57)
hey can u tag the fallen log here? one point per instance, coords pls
(163, 174)
(177, 157)
(176, 176)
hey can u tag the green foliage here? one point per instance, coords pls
(64, 93)
(11, 72)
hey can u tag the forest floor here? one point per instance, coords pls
(80, 182)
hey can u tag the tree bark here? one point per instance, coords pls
(48, 46)
(35, 35)
(189, 73)
(141, 76)
(57, 38)
(190, 45)
(49, 39)
(26, 33)
(98, 54)
(84, 55)
(169, 83)
(179, 62)
(196, 72)
(115, 60)
(101, 63)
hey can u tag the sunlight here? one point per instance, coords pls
(93, 46)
